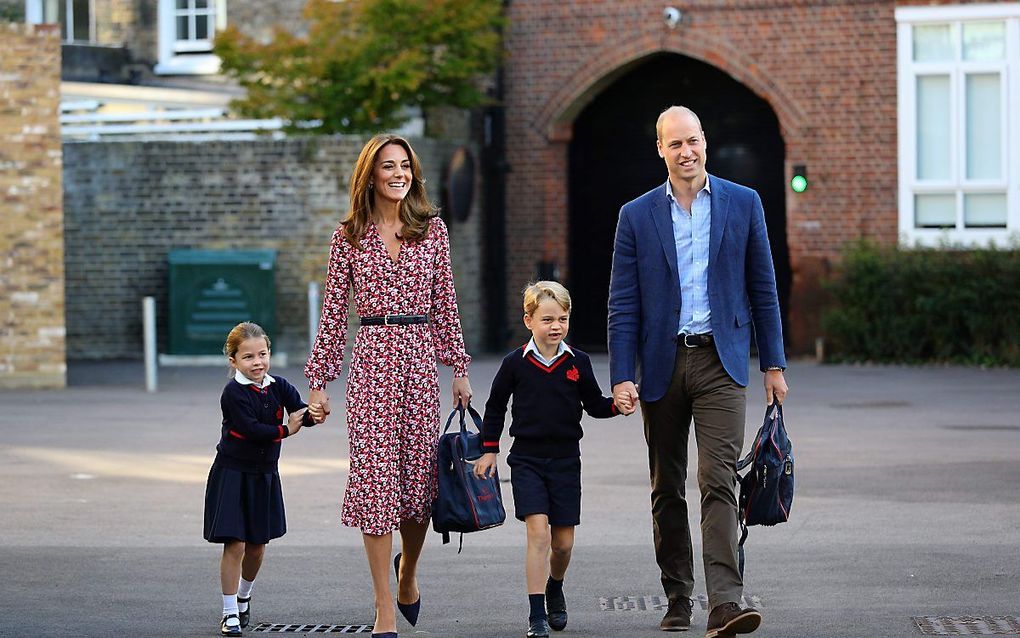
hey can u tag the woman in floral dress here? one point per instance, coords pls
(393, 253)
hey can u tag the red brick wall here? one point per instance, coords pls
(828, 69)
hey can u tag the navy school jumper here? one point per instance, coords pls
(253, 424)
(547, 403)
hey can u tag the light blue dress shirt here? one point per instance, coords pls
(691, 232)
(561, 350)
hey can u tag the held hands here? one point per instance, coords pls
(625, 396)
(317, 412)
(320, 398)
(775, 386)
(461, 392)
(485, 464)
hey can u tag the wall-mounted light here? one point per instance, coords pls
(799, 183)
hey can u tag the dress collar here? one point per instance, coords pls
(243, 380)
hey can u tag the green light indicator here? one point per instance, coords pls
(799, 180)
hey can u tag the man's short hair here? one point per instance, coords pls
(675, 109)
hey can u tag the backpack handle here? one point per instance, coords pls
(462, 448)
(773, 413)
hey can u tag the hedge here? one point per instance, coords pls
(916, 305)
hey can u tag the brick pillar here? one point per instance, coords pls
(32, 330)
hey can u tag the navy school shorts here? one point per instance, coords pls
(546, 486)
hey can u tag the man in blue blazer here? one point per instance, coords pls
(692, 273)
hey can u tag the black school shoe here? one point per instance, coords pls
(538, 629)
(230, 629)
(245, 615)
(556, 607)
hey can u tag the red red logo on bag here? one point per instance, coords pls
(573, 374)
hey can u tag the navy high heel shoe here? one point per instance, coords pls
(409, 612)
(388, 634)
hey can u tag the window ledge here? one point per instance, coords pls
(189, 65)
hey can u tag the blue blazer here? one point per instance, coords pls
(644, 289)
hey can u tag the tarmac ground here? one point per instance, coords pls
(906, 507)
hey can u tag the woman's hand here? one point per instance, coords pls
(461, 392)
(318, 414)
(485, 464)
(320, 397)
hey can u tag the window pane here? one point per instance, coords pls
(201, 4)
(933, 43)
(984, 210)
(81, 20)
(984, 126)
(182, 5)
(935, 211)
(201, 27)
(62, 19)
(984, 41)
(933, 132)
(52, 10)
(182, 28)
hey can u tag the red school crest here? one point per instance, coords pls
(573, 374)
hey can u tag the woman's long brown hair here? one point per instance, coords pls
(415, 210)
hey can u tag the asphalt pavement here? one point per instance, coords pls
(906, 507)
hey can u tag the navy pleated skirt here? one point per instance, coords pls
(245, 506)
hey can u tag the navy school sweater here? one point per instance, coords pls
(253, 424)
(547, 403)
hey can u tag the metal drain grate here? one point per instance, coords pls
(968, 625)
(310, 628)
(660, 603)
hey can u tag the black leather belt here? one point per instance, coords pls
(394, 320)
(695, 341)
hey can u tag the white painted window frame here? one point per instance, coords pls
(182, 57)
(34, 15)
(908, 71)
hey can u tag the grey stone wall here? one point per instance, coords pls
(127, 204)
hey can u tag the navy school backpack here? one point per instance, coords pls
(766, 490)
(465, 503)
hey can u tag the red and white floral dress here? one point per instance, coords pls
(392, 385)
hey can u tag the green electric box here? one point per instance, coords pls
(211, 291)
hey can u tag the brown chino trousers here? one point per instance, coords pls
(701, 389)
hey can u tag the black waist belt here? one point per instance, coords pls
(695, 341)
(394, 320)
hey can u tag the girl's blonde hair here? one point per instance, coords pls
(535, 293)
(239, 333)
(415, 209)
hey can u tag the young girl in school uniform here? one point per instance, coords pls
(243, 497)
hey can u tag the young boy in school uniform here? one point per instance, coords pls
(550, 383)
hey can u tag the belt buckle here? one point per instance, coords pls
(386, 320)
(685, 340)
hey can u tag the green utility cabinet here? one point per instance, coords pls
(211, 291)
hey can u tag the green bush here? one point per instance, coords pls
(926, 305)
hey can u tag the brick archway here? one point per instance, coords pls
(556, 117)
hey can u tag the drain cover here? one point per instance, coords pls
(968, 625)
(660, 603)
(310, 628)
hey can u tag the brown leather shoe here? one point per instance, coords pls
(728, 620)
(678, 616)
